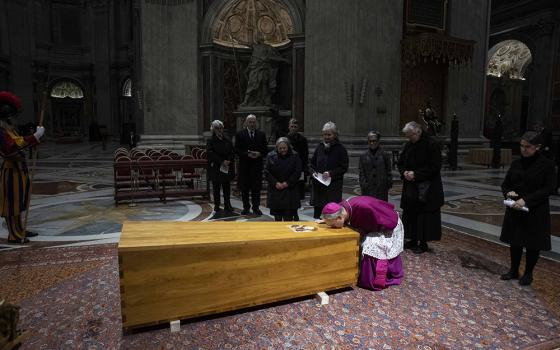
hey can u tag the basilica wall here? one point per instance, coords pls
(465, 84)
(169, 68)
(352, 50)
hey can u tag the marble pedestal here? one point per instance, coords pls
(265, 118)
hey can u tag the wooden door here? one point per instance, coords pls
(67, 116)
(419, 83)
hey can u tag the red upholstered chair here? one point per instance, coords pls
(166, 175)
(189, 176)
(147, 172)
(136, 154)
(174, 155)
(125, 178)
(155, 155)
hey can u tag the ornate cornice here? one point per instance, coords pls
(436, 47)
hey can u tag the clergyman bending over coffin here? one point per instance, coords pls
(382, 237)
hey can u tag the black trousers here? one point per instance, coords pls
(250, 181)
(225, 186)
(531, 258)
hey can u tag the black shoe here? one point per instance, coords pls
(228, 208)
(421, 248)
(245, 212)
(526, 280)
(18, 241)
(410, 244)
(510, 275)
(217, 209)
(257, 212)
(31, 234)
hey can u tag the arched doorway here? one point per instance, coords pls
(508, 72)
(67, 109)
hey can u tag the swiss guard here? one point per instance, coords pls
(14, 175)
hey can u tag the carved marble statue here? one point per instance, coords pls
(261, 74)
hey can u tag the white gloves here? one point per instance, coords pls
(39, 132)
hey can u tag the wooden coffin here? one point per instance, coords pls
(177, 270)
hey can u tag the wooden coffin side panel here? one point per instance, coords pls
(160, 286)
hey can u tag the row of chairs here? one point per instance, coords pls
(135, 153)
(138, 175)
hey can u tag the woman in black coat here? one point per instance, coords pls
(330, 160)
(283, 170)
(375, 169)
(529, 182)
(220, 153)
(422, 194)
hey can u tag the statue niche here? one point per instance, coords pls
(261, 74)
(261, 26)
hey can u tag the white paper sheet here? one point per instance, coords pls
(325, 180)
(510, 202)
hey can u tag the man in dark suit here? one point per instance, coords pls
(251, 147)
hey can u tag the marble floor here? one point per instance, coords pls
(73, 204)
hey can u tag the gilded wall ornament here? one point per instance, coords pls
(239, 22)
(509, 59)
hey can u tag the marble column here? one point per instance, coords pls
(466, 84)
(540, 104)
(169, 74)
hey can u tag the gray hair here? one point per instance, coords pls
(216, 124)
(251, 116)
(412, 127)
(283, 140)
(374, 133)
(330, 126)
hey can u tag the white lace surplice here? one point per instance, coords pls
(385, 244)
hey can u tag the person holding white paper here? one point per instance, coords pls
(220, 155)
(329, 162)
(529, 182)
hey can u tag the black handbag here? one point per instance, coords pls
(417, 192)
(423, 188)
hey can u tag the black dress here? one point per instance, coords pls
(532, 178)
(333, 159)
(422, 220)
(375, 174)
(219, 150)
(287, 169)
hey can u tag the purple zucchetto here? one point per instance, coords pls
(331, 211)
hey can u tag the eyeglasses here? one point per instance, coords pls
(373, 141)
